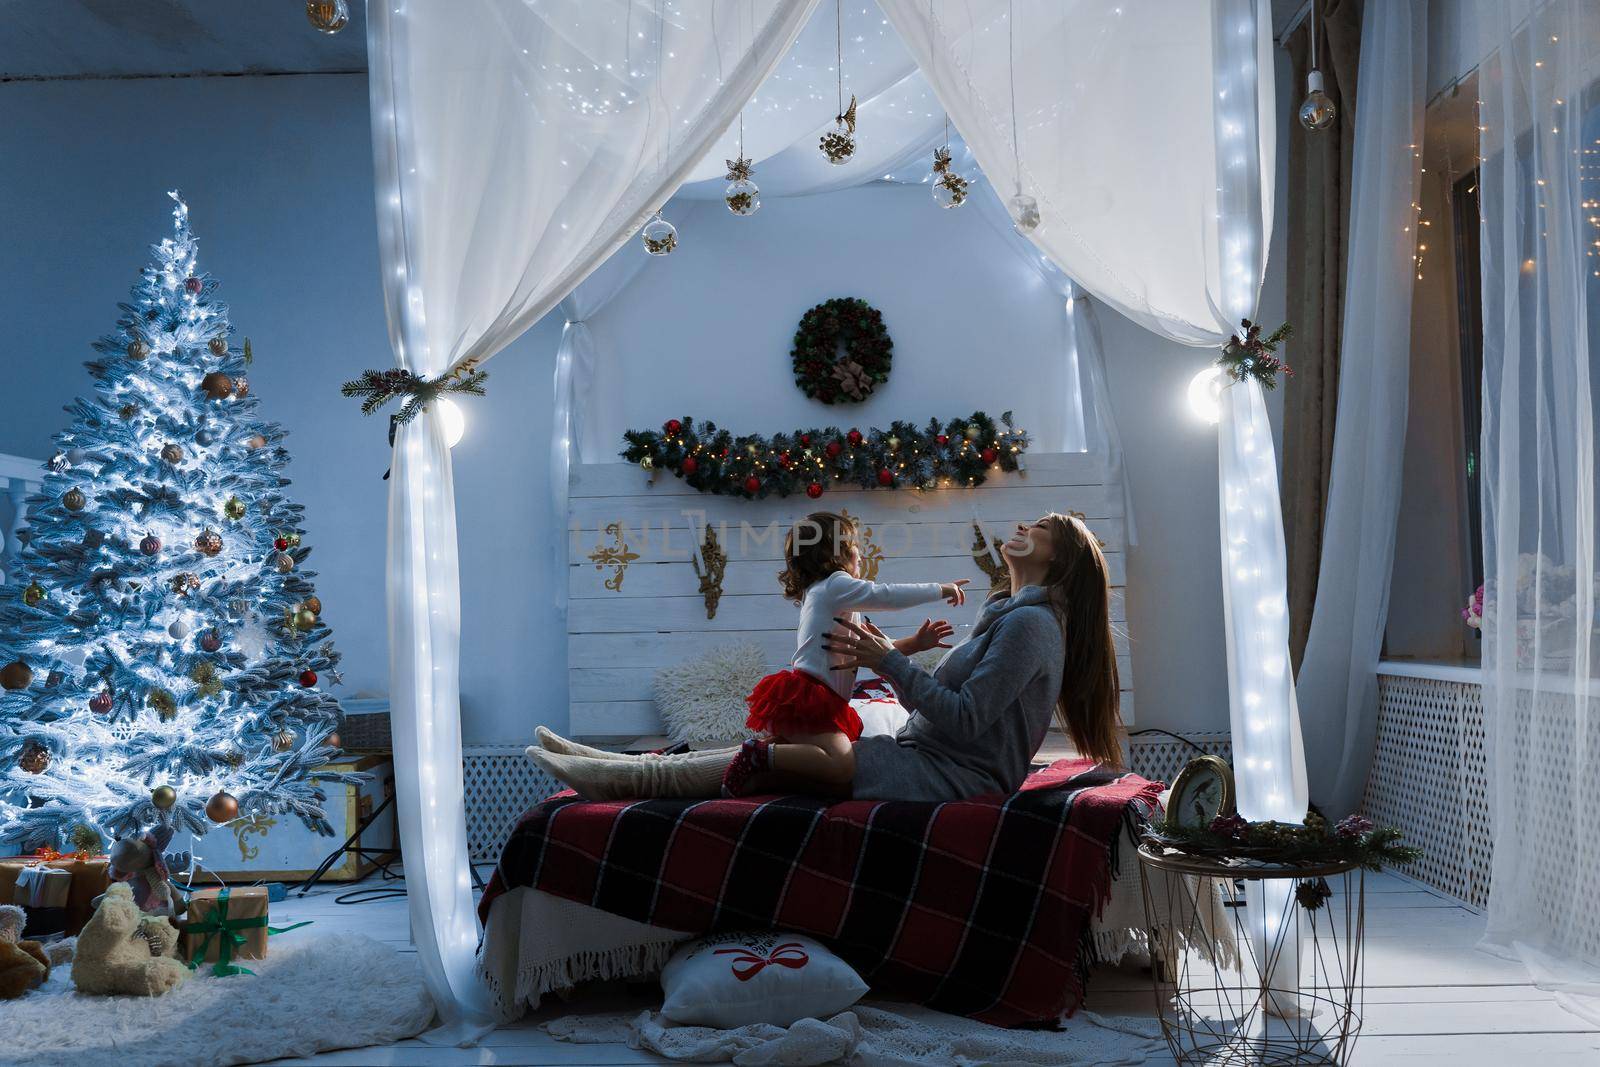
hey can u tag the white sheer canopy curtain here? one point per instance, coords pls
(1540, 187)
(1338, 684)
(1154, 194)
(516, 145)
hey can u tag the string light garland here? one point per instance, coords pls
(957, 453)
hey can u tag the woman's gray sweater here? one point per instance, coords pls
(979, 718)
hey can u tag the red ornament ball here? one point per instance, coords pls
(281, 544)
(673, 427)
(943, 439)
(855, 438)
(690, 465)
(308, 678)
(211, 640)
(784, 459)
(752, 484)
(814, 490)
(100, 703)
(192, 284)
(150, 545)
(988, 455)
(885, 476)
(805, 440)
(833, 449)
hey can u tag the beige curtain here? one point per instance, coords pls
(1319, 234)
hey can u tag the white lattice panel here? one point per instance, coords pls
(501, 783)
(1159, 757)
(1429, 778)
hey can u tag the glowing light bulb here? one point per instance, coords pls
(1205, 395)
(452, 421)
(1317, 110)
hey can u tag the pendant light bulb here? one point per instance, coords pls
(1317, 110)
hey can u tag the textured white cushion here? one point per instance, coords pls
(731, 980)
(701, 701)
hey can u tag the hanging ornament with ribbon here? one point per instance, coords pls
(742, 195)
(949, 188)
(839, 143)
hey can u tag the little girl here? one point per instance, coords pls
(806, 708)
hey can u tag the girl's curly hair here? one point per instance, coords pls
(815, 547)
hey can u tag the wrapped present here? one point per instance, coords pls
(42, 892)
(88, 880)
(227, 924)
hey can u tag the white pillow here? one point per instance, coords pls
(880, 710)
(701, 701)
(732, 980)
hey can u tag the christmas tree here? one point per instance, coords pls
(163, 649)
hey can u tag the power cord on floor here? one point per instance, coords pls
(1168, 733)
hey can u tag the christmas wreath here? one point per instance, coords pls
(821, 371)
(960, 452)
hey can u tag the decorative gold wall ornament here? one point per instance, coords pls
(993, 568)
(616, 556)
(716, 561)
(251, 824)
(871, 554)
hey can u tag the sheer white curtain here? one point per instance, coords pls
(1338, 678)
(1540, 189)
(515, 148)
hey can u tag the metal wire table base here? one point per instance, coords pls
(1276, 980)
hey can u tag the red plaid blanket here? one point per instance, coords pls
(978, 907)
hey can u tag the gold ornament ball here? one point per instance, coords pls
(172, 454)
(234, 508)
(35, 758)
(647, 464)
(209, 543)
(222, 808)
(283, 741)
(163, 797)
(218, 346)
(284, 562)
(74, 500)
(33, 594)
(970, 433)
(16, 675)
(137, 349)
(216, 385)
(305, 619)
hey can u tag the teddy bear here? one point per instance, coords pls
(122, 950)
(23, 964)
(138, 861)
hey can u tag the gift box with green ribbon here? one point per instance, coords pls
(225, 925)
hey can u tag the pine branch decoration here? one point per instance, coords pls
(1254, 356)
(377, 387)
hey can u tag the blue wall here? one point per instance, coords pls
(277, 172)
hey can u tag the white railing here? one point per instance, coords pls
(18, 477)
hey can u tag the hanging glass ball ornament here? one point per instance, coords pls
(210, 641)
(172, 454)
(1317, 110)
(178, 630)
(329, 16)
(742, 195)
(137, 349)
(284, 562)
(839, 143)
(35, 758)
(218, 346)
(313, 605)
(308, 678)
(150, 544)
(304, 618)
(216, 385)
(208, 542)
(222, 807)
(16, 675)
(74, 500)
(163, 797)
(949, 188)
(100, 703)
(660, 236)
(283, 741)
(1024, 211)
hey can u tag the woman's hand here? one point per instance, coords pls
(954, 593)
(861, 646)
(930, 634)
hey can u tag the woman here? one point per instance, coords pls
(976, 721)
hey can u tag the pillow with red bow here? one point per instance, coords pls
(733, 980)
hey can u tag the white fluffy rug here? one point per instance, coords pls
(313, 992)
(867, 1036)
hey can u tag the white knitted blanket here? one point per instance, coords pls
(877, 1035)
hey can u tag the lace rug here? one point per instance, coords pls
(882, 1035)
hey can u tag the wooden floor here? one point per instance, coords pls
(1431, 997)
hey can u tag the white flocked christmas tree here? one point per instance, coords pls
(164, 655)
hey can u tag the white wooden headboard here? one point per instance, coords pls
(635, 602)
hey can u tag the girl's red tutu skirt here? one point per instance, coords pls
(792, 702)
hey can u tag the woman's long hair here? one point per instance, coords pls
(1078, 585)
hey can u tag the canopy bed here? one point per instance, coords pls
(603, 112)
